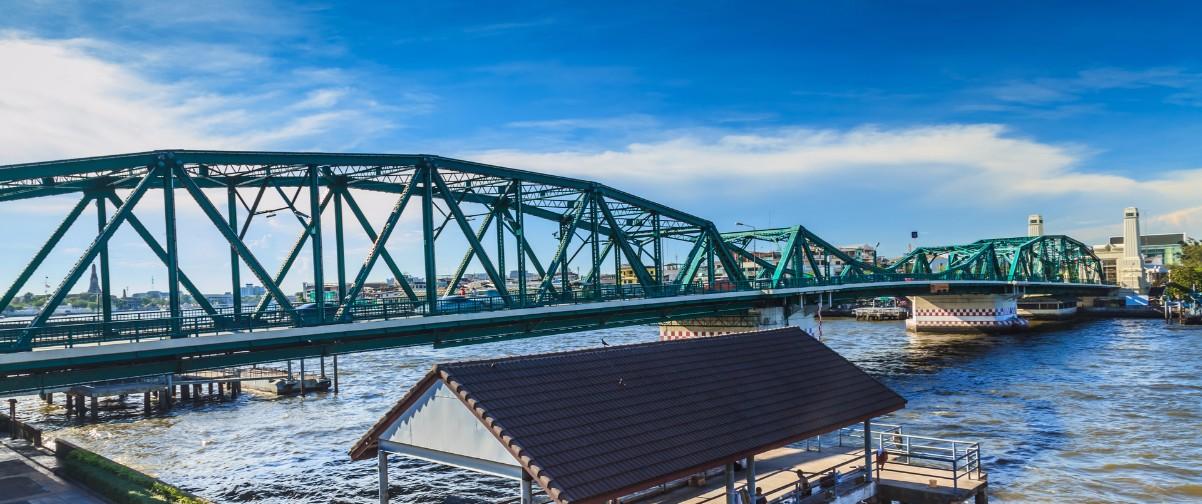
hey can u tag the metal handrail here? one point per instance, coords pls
(72, 330)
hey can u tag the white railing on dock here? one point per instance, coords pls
(959, 458)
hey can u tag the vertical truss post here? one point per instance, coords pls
(339, 244)
(659, 252)
(501, 252)
(427, 179)
(106, 302)
(710, 270)
(594, 241)
(566, 232)
(173, 299)
(618, 269)
(44, 251)
(519, 233)
(231, 201)
(319, 281)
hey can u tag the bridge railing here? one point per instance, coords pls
(84, 329)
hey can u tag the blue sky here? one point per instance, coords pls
(861, 120)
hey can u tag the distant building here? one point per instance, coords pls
(94, 286)
(252, 290)
(1034, 225)
(1136, 267)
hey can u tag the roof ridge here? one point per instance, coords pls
(610, 348)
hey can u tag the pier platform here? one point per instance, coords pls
(918, 470)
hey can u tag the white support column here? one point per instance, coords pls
(730, 483)
(868, 450)
(382, 457)
(527, 488)
(751, 476)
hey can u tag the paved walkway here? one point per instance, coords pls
(25, 478)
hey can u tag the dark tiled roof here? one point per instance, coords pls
(597, 424)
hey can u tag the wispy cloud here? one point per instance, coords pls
(968, 166)
(64, 100)
(1175, 82)
(619, 122)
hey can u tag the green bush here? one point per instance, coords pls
(122, 484)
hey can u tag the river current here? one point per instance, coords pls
(1102, 411)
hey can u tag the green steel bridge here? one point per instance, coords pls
(562, 234)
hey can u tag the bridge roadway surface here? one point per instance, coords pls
(45, 369)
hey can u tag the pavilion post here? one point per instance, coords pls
(751, 475)
(382, 462)
(868, 450)
(527, 488)
(730, 483)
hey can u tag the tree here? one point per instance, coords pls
(1188, 274)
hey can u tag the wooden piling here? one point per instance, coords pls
(335, 374)
(95, 409)
(146, 402)
(302, 377)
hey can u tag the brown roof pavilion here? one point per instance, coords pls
(597, 424)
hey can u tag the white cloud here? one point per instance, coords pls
(971, 166)
(62, 98)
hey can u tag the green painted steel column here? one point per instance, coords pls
(106, 301)
(231, 194)
(173, 300)
(709, 262)
(565, 232)
(595, 241)
(618, 269)
(427, 179)
(659, 255)
(520, 236)
(319, 282)
(501, 254)
(339, 244)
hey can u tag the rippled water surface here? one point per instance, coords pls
(1104, 411)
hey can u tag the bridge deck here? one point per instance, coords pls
(33, 370)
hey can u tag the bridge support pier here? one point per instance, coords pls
(966, 313)
(756, 319)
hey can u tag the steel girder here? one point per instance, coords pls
(1048, 258)
(592, 219)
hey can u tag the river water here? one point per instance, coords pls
(1103, 411)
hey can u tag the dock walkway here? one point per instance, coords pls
(26, 476)
(777, 476)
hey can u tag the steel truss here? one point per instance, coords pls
(493, 209)
(1049, 258)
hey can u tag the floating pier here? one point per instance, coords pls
(875, 313)
(160, 392)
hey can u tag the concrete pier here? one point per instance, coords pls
(946, 313)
